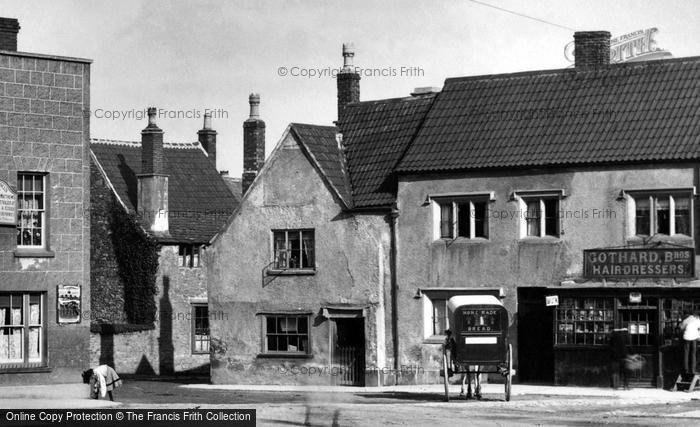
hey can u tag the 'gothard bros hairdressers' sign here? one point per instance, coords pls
(8, 205)
(639, 262)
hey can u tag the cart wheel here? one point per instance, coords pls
(509, 375)
(446, 378)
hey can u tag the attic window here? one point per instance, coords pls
(188, 256)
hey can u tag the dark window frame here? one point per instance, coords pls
(540, 218)
(26, 326)
(265, 351)
(189, 255)
(455, 223)
(281, 258)
(195, 340)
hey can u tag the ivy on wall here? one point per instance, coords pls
(137, 261)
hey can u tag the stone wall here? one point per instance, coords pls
(44, 128)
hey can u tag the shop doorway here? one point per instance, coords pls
(348, 351)
(535, 344)
(641, 321)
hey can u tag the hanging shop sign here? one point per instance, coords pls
(8, 204)
(639, 263)
(551, 300)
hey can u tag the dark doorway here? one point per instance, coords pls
(535, 346)
(348, 351)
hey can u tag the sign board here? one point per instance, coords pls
(639, 263)
(8, 205)
(68, 302)
(551, 300)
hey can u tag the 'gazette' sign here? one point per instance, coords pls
(8, 204)
(639, 262)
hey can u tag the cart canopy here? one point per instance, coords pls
(461, 300)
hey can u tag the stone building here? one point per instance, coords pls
(154, 208)
(44, 223)
(577, 184)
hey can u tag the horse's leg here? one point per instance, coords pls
(461, 393)
(477, 384)
(469, 383)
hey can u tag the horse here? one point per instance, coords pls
(472, 374)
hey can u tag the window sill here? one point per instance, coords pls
(660, 238)
(292, 272)
(464, 240)
(34, 253)
(547, 240)
(284, 356)
(25, 369)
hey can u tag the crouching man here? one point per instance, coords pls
(102, 379)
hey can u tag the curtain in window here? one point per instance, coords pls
(308, 249)
(642, 216)
(446, 220)
(682, 215)
(663, 215)
(533, 218)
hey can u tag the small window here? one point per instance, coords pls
(31, 210)
(439, 319)
(286, 334)
(667, 214)
(294, 249)
(584, 321)
(541, 216)
(200, 328)
(188, 256)
(21, 329)
(471, 218)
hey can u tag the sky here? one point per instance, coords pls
(185, 57)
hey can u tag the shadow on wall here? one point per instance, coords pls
(165, 341)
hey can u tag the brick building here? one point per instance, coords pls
(154, 208)
(576, 183)
(44, 223)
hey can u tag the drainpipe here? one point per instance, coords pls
(393, 215)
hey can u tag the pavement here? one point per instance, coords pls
(75, 395)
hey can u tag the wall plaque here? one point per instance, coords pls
(8, 205)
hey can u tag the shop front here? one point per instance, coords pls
(644, 289)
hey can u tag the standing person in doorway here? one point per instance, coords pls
(690, 327)
(618, 356)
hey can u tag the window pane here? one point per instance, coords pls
(642, 216)
(16, 313)
(303, 324)
(663, 216)
(35, 344)
(439, 316)
(551, 220)
(195, 256)
(272, 343)
(532, 218)
(682, 215)
(38, 183)
(446, 220)
(280, 238)
(463, 220)
(271, 322)
(5, 318)
(294, 249)
(308, 249)
(34, 309)
(481, 220)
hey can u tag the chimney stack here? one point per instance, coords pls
(207, 137)
(152, 197)
(591, 49)
(253, 143)
(9, 28)
(348, 80)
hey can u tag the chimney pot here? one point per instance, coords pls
(152, 111)
(254, 101)
(9, 28)
(591, 49)
(207, 121)
(348, 55)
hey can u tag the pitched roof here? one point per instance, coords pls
(199, 200)
(376, 134)
(636, 112)
(322, 147)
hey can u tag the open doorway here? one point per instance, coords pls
(535, 343)
(348, 351)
